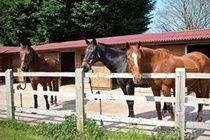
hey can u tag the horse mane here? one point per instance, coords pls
(110, 46)
(36, 55)
(165, 50)
(105, 45)
(160, 51)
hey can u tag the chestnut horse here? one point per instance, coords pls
(146, 60)
(31, 61)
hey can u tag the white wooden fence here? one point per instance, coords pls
(180, 99)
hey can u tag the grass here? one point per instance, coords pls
(16, 130)
(11, 134)
(130, 135)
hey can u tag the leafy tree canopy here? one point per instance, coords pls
(46, 21)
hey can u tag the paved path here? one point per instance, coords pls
(115, 108)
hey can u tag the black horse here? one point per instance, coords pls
(115, 60)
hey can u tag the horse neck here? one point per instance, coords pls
(37, 62)
(147, 59)
(113, 58)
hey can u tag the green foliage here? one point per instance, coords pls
(84, 13)
(130, 135)
(63, 131)
(171, 135)
(51, 21)
(17, 20)
(67, 130)
(93, 131)
(61, 20)
(108, 18)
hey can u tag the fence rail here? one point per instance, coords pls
(2, 74)
(107, 75)
(180, 100)
(57, 93)
(128, 75)
(61, 113)
(133, 120)
(45, 74)
(130, 97)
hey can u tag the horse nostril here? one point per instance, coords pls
(24, 68)
(86, 67)
(137, 79)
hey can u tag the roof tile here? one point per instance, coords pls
(190, 35)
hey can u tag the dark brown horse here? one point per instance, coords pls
(32, 62)
(145, 60)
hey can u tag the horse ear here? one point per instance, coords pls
(21, 45)
(87, 42)
(127, 45)
(139, 45)
(25, 46)
(94, 41)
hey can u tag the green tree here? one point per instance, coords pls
(46, 21)
(17, 21)
(107, 18)
(51, 21)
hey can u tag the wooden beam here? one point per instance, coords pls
(45, 74)
(79, 89)
(180, 101)
(60, 113)
(129, 75)
(130, 97)
(36, 92)
(141, 121)
(9, 94)
(2, 74)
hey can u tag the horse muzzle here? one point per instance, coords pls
(137, 79)
(85, 66)
(24, 68)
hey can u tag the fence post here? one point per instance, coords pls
(9, 94)
(80, 99)
(180, 101)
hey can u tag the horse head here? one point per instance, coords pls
(133, 58)
(91, 55)
(25, 56)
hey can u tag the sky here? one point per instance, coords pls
(158, 5)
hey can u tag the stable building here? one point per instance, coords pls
(71, 53)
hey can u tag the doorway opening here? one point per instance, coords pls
(67, 65)
(200, 48)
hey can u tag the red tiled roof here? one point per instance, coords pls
(6, 50)
(160, 37)
(191, 35)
